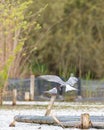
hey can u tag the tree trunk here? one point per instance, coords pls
(1, 96)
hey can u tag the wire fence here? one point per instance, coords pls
(89, 89)
(92, 89)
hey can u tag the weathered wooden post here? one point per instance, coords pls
(27, 96)
(85, 121)
(53, 97)
(12, 124)
(14, 97)
(32, 85)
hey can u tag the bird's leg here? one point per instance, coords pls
(53, 97)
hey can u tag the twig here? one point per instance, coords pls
(57, 121)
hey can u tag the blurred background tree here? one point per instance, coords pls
(71, 38)
(13, 33)
(62, 37)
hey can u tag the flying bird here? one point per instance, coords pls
(69, 84)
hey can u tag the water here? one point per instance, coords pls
(72, 110)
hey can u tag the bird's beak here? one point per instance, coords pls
(69, 88)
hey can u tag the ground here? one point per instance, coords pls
(7, 113)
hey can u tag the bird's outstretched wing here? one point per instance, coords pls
(53, 78)
(72, 81)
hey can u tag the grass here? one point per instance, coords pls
(21, 107)
(70, 105)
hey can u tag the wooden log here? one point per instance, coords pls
(14, 96)
(53, 97)
(27, 96)
(66, 121)
(32, 85)
(42, 119)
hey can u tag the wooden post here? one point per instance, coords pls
(32, 85)
(85, 121)
(14, 96)
(12, 124)
(53, 97)
(27, 96)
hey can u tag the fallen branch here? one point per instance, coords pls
(56, 120)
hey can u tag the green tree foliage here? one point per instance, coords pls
(12, 38)
(12, 24)
(85, 27)
(63, 37)
(41, 44)
(71, 38)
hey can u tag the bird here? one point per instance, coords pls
(69, 84)
(52, 91)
